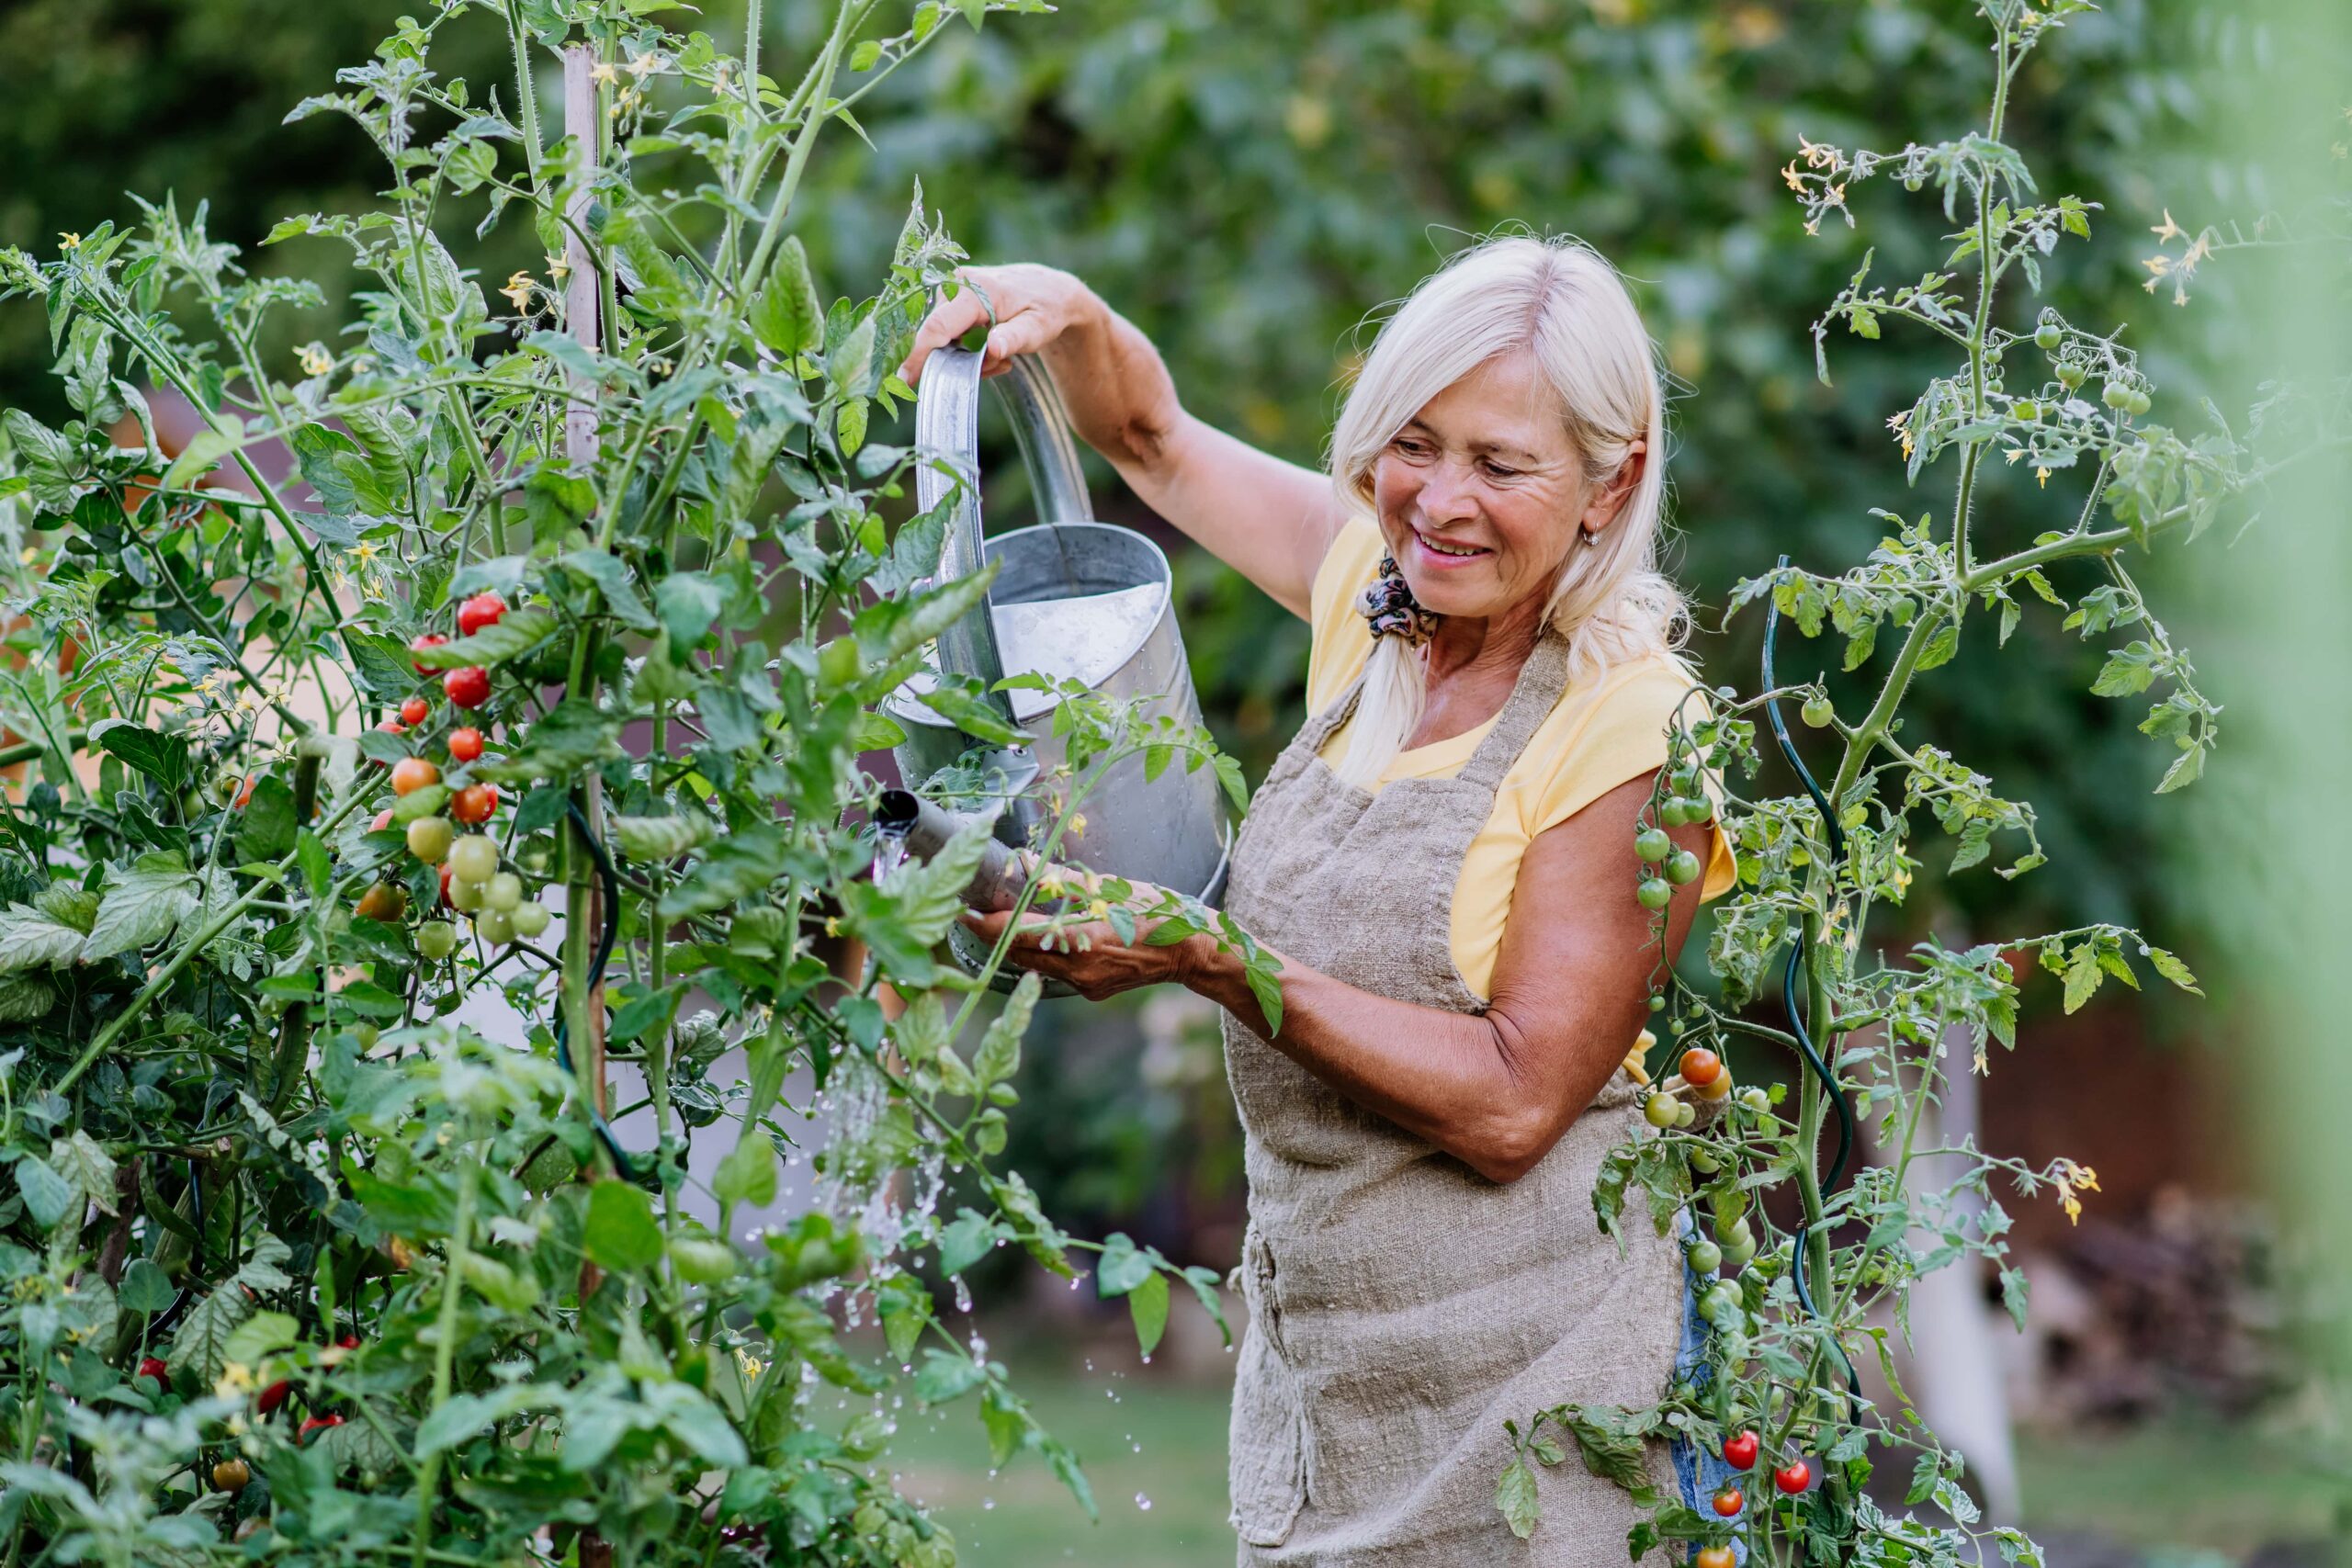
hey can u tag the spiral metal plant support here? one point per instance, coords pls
(1797, 1020)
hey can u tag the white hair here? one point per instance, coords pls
(1560, 300)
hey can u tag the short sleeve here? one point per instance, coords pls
(1620, 738)
(1342, 639)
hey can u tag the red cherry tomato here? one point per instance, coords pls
(445, 887)
(383, 820)
(430, 639)
(482, 610)
(152, 1367)
(316, 1424)
(413, 774)
(465, 744)
(1793, 1478)
(1739, 1452)
(469, 687)
(416, 710)
(246, 793)
(348, 1342)
(1713, 1557)
(272, 1396)
(1728, 1502)
(475, 804)
(1701, 1067)
(393, 727)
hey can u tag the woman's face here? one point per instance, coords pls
(1481, 493)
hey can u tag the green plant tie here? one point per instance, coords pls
(1805, 1046)
(608, 882)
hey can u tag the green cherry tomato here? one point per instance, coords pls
(429, 838)
(2139, 403)
(2027, 409)
(1738, 1255)
(473, 858)
(1705, 1256)
(503, 893)
(1685, 1113)
(1661, 1110)
(1655, 892)
(435, 939)
(1683, 867)
(1733, 1232)
(465, 895)
(1704, 1163)
(529, 919)
(2048, 336)
(1652, 844)
(1697, 808)
(1756, 1099)
(1670, 813)
(1657, 1004)
(1817, 712)
(2071, 376)
(494, 928)
(2115, 394)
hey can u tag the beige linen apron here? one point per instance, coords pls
(1401, 1306)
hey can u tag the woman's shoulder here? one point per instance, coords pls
(1342, 639)
(1610, 726)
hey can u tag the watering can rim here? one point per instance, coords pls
(903, 704)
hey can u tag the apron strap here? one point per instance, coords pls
(1534, 696)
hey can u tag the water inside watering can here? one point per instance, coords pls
(1086, 638)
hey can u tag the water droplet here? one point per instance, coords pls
(987, 1504)
(1143, 1502)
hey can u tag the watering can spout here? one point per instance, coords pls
(922, 829)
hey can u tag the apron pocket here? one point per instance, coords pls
(1266, 1471)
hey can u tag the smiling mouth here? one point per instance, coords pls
(1455, 552)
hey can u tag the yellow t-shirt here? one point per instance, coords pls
(1603, 732)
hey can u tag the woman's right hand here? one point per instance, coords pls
(1031, 305)
(1268, 519)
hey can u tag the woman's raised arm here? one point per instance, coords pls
(1268, 519)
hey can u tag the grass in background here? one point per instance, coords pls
(2183, 1484)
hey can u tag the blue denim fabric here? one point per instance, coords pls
(1698, 1473)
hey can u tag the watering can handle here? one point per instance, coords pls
(947, 424)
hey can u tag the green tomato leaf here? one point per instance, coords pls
(622, 1234)
(1147, 1303)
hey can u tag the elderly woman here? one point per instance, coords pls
(1443, 859)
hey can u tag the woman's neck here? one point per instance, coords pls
(1462, 648)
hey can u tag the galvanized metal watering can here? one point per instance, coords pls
(1072, 597)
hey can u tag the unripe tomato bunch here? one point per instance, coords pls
(471, 882)
(1665, 866)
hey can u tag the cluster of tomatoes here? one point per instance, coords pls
(1741, 1452)
(1664, 866)
(471, 882)
(233, 1474)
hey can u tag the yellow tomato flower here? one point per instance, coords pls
(518, 289)
(604, 74)
(316, 360)
(559, 267)
(69, 242)
(235, 1378)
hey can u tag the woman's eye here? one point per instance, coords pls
(1497, 471)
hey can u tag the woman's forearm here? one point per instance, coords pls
(1473, 1085)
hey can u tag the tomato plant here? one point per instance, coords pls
(1863, 1036)
(277, 1210)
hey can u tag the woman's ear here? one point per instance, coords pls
(1610, 499)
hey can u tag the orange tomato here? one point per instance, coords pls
(413, 774)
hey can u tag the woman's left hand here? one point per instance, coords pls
(1091, 958)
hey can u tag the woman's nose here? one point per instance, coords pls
(1447, 493)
